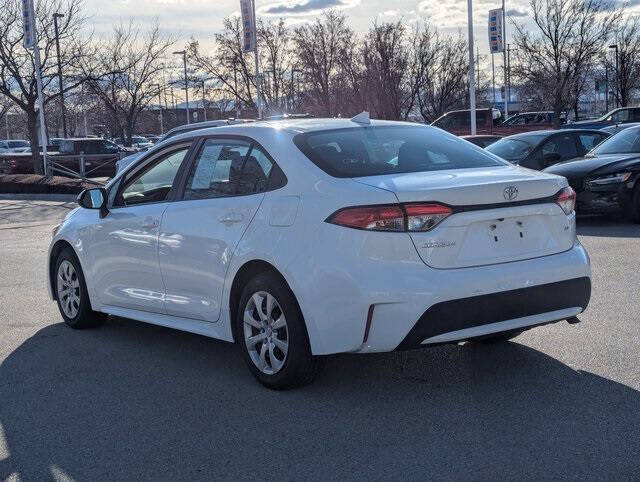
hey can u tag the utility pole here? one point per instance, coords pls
(615, 47)
(186, 80)
(493, 80)
(204, 102)
(160, 106)
(472, 82)
(504, 59)
(56, 16)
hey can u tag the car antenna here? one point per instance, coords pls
(361, 118)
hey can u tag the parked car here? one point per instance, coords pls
(540, 149)
(14, 145)
(623, 115)
(607, 179)
(138, 143)
(259, 235)
(482, 141)
(535, 120)
(614, 129)
(459, 121)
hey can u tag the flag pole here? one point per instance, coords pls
(472, 82)
(504, 58)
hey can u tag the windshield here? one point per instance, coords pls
(14, 144)
(513, 149)
(626, 141)
(369, 151)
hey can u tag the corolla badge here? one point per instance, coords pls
(510, 193)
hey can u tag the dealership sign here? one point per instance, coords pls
(28, 23)
(496, 44)
(247, 7)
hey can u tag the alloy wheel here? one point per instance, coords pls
(68, 289)
(266, 334)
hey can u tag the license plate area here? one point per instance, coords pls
(507, 231)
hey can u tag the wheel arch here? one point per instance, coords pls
(55, 251)
(247, 271)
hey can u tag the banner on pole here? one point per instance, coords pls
(247, 8)
(496, 44)
(28, 23)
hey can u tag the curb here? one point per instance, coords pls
(38, 197)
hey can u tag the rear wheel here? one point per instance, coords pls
(272, 334)
(71, 293)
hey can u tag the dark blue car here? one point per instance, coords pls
(623, 115)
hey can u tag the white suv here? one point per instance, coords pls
(302, 238)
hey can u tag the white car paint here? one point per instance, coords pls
(173, 263)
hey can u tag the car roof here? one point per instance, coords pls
(550, 132)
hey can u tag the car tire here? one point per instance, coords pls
(71, 293)
(272, 334)
(503, 337)
(634, 209)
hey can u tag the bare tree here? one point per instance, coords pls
(568, 37)
(445, 76)
(130, 67)
(627, 37)
(17, 71)
(277, 63)
(318, 47)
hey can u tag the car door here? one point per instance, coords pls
(124, 248)
(223, 190)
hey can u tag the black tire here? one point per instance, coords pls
(300, 367)
(85, 316)
(503, 337)
(634, 208)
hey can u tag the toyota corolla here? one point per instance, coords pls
(302, 238)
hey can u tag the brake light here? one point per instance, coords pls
(375, 218)
(397, 217)
(567, 200)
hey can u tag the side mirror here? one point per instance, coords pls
(95, 198)
(551, 158)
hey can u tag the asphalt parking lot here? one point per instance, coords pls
(136, 401)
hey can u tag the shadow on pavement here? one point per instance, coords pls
(131, 401)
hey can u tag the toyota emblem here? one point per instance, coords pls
(510, 193)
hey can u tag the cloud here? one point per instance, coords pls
(305, 7)
(514, 12)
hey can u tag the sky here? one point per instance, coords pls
(203, 18)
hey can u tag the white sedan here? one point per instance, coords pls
(302, 238)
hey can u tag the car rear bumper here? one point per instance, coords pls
(507, 310)
(609, 199)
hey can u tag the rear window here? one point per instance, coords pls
(370, 151)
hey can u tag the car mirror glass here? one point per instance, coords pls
(92, 198)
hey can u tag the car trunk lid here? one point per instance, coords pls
(499, 214)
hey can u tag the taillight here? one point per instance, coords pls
(397, 217)
(375, 218)
(567, 200)
(423, 217)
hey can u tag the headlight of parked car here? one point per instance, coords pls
(609, 179)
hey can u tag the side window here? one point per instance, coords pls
(217, 169)
(255, 173)
(621, 116)
(154, 183)
(589, 141)
(563, 145)
(636, 115)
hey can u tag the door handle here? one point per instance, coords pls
(231, 218)
(149, 223)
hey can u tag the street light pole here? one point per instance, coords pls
(56, 16)
(186, 80)
(504, 59)
(204, 102)
(160, 106)
(615, 47)
(472, 81)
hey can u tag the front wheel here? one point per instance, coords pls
(272, 334)
(71, 293)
